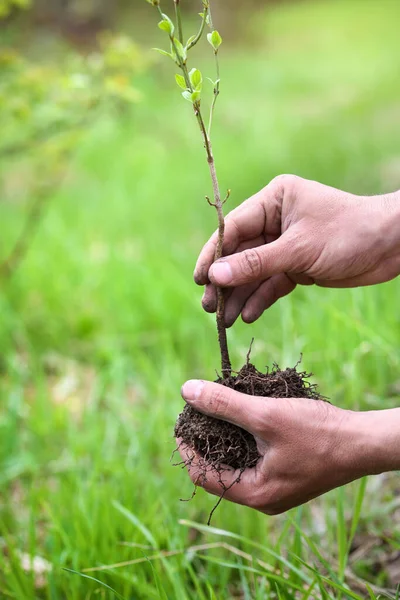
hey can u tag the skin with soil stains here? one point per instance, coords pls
(222, 445)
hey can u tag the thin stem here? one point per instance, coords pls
(216, 93)
(181, 63)
(201, 30)
(218, 203)
(17, 254)
(179, 20)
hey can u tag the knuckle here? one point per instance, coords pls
(285, 179)
(218, 401)
(260, 423)
(252, 263)
(263, 419)
(284, 184)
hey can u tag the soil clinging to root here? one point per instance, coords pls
(221, 445)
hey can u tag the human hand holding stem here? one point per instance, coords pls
(191, 83)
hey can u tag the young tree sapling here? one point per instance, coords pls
(191, 82)
(216, 444)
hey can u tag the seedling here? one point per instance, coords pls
(190, 80)
(217, 445)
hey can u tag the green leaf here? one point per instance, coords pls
(164, 26)
(180, 49)
(187, 95)
(191, 96)
(196, 79)
(214, 39)
(190, 40)
(195, 96)
(167, 25)
(164, 52)
(180, 80)
(370, 592)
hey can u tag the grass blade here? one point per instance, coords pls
(358, 502)
(96, 580)
(224, 533)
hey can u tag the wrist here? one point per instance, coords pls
(372, 442)
(389, 229)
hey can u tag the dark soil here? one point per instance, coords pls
(222, 445)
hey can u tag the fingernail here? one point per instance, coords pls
(192, 389)
(221, 272)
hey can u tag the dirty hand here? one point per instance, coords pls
(307, 447)
(296, 231)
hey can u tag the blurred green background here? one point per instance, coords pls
(103, 177)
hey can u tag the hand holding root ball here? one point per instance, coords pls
(294, 231)
(306, 447)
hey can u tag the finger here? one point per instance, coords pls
(236, 486)
(247, 221)
(260, 214)
(221, 402)
(209, 299)
(237, 300)
(266, 295)
(286, 254)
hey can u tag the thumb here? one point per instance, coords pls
(256, 264)
(221, 402)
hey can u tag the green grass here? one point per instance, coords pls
(102, 324)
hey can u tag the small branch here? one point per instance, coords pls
(228, 194)
(10, 264)
(218, 204)
(38, 137)
(216, 85)
(41, 136)
(209, 201)
(201, 30)
(179, 20)
(216, 93)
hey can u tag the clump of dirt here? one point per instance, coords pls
(222, 445)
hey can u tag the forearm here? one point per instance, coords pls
(373, 442)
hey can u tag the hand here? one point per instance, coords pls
(300, 232)
(307, 447)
